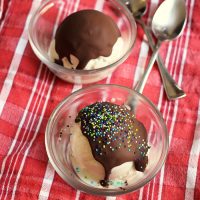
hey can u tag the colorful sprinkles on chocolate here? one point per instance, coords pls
(105, 119)
(115, 135)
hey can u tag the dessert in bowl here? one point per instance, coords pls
(81, 43)
(99, 146)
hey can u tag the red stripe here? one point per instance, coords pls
(9, 37)
(3, 9)
(84, 196)
(21, 140)
(60, 189)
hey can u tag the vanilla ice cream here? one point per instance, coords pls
(99, 62)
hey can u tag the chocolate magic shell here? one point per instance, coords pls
(86, 34)
(115, 136)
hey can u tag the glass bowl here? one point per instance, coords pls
(64, 115)
(45, 21)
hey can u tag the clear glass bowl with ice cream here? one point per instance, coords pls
(84, 41)
(99, 146)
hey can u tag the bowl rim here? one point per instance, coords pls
(99, 191)
(60, 69)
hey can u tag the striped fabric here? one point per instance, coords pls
(29, 92)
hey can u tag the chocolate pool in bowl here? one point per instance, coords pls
(97, 145)
(92, 43)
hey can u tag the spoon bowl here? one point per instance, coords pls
(169, 20)
(137, 7)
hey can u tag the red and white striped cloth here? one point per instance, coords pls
(29, 92)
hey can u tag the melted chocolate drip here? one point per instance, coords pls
(115, 136)
(86, 34)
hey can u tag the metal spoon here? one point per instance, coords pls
(138, 9)
(167, 24)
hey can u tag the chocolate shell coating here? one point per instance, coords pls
(86, 34)
(115, 136)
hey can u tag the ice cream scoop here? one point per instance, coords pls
(114, 136)
(83, 36)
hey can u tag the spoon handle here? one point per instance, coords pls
(173, 91)
(140, 85)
